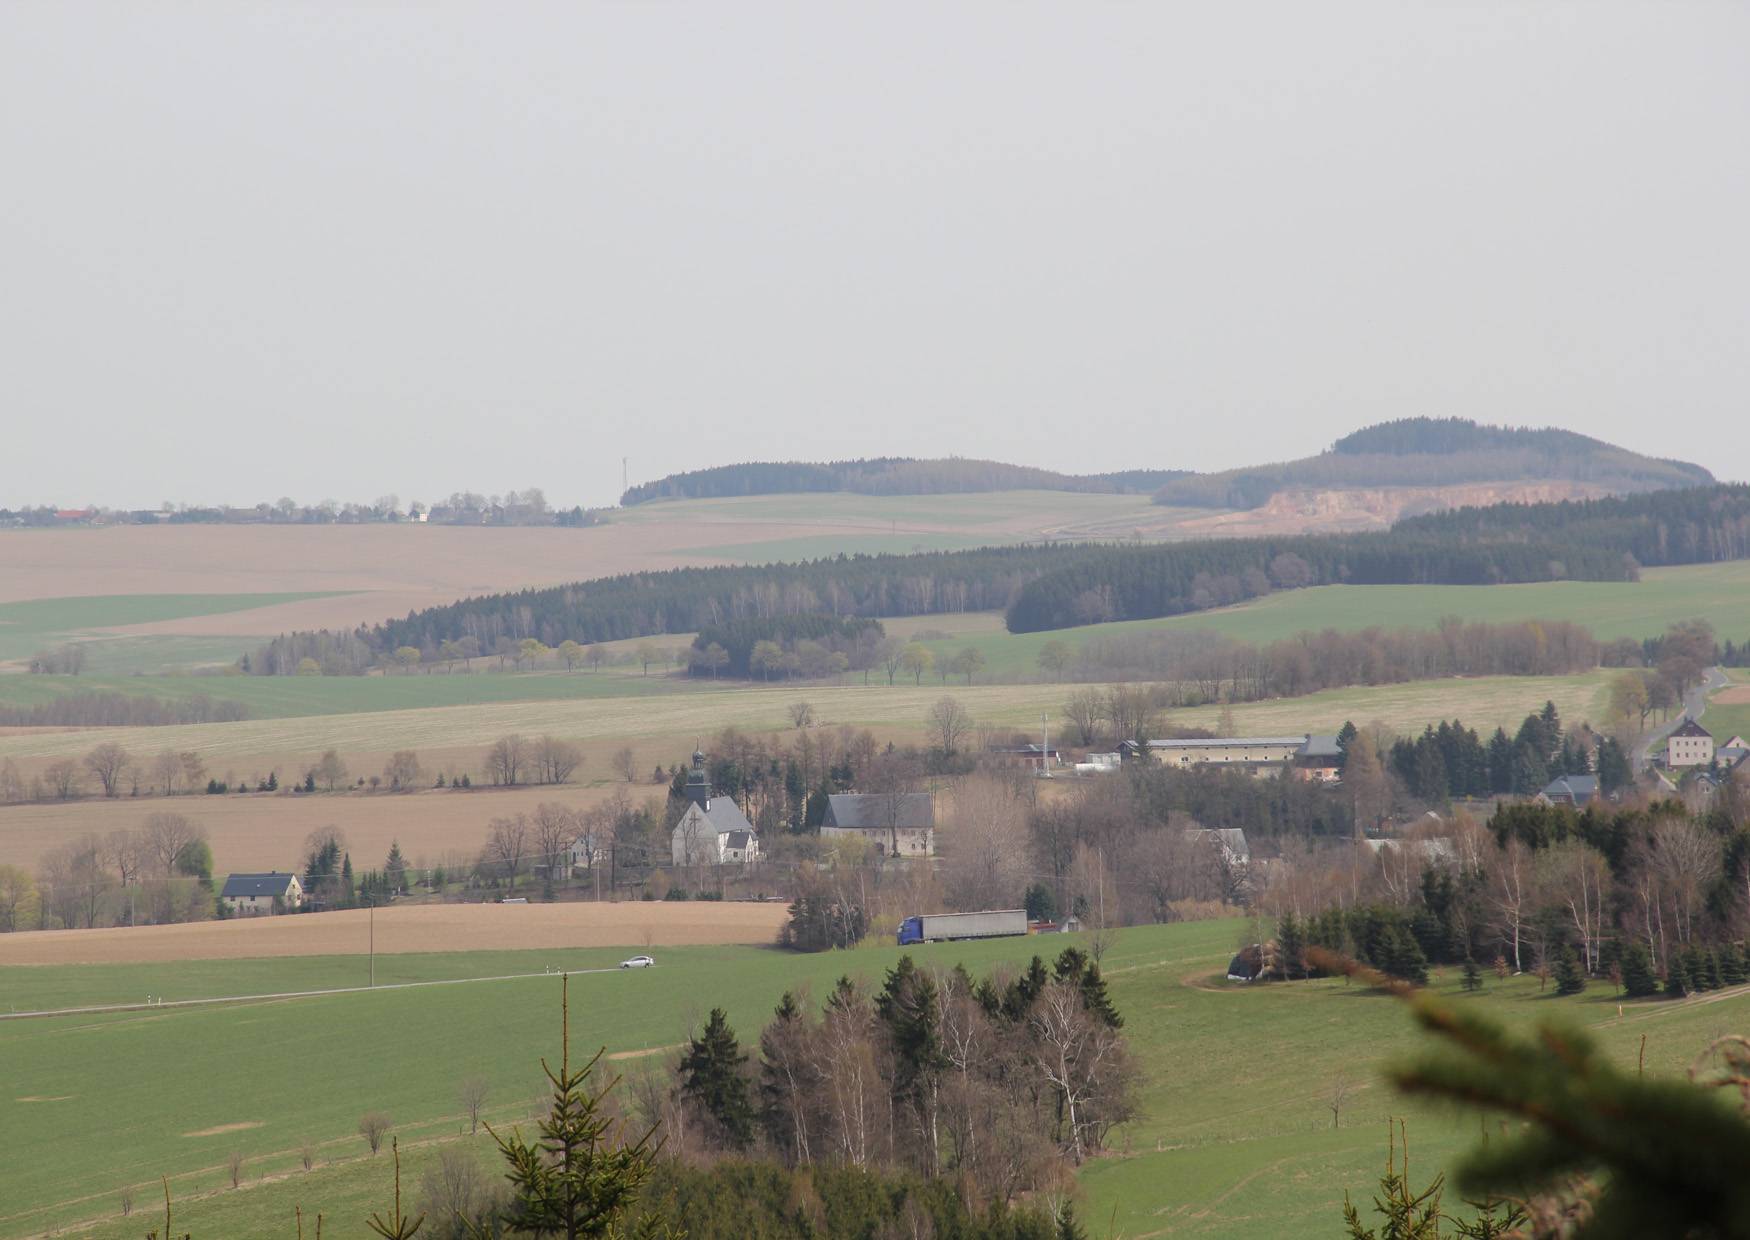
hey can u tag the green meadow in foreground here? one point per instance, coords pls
(1236, 1137)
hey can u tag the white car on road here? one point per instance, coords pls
(637, 962)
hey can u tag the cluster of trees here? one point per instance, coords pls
(158, 873)
(884, 476)
(1676, 661)
(1633, 891)
(126, 710)
(1437, 452)
(1451, 761)
(347, 654)
(1199, 666)
(516, 759)
(108, 767)
(996, 1084)
(807, 645)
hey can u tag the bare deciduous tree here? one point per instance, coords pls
(556, 760)
(109, 762)
(949, 723)
(165, 836)
(801, 714)
(331, 770)
(62, 777)
(1339, 1093)
(167, 772)
(626, 764)
(403, 771)
(554, 828)
(506, 759)
(507, 845)
(473, 1100)
(373, 1127)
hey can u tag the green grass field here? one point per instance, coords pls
(1482, 702)
(1718, 593)
(28, 626)
(1236, 1138)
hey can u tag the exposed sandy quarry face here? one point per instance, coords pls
(1305, 511)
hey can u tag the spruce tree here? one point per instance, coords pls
(1711, 961)
(1732, 971)
(1695, 968)
(1291, 947)
(1676, 978)
(1096, 1002)
(712, 1077)
(1068, 1228)
(582, 1175)
(1570, 978)
(1473, 976)
(395, 868)
(1638, 978)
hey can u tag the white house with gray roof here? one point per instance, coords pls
(251, 895)
(896, 824)
(712, 830)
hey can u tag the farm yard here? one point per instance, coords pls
(1199, 1161)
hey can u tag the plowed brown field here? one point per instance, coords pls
(418, 928)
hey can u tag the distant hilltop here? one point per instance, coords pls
(893, 475)
(1439, 452)
(1410, 452)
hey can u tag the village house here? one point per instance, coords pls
(1577, 791)
(897, 824)
(712, 830)
(257, 895)
(1689, 745)
(1309, 757)
(1034, 757)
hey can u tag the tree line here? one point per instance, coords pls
(1585, 540)
(1054, 586)
(110, 709)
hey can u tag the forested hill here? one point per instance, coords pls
(1590, 540)
(1438, 452)
(886, 476)
(1057, 586)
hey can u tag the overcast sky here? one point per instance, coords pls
(337, 250)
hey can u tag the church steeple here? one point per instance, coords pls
(698, 787)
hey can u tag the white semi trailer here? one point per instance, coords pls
(946, 927)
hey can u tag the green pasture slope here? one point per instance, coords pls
(1718, 593)
(290, 697)
(28, 626)
(1235, 1140)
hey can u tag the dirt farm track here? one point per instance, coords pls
(418, 928)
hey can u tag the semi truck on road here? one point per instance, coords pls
(947, 927)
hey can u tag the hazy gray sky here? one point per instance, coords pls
(335, 250)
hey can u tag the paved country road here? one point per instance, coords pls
(1694, 705)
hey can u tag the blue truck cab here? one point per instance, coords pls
(911, 930)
